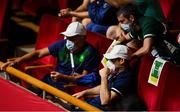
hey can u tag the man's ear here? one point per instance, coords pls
(131, 18)
(122, 61)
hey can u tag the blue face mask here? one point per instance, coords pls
(126, 27)
(70, 45)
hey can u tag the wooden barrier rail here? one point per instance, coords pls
(83, 105)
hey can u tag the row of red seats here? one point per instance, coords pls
(50, 27)
(165, 96)
(32, 7)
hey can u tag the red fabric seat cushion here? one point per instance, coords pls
(14, 98)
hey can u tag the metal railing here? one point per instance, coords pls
(23, 76)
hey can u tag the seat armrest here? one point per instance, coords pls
(38, 66)
(174, 31)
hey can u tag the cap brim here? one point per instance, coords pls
(69, 34)
(110, 56)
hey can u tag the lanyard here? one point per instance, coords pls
(72, 62)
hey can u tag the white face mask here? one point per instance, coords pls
(70, 45)
(110, 65)
(125, 27)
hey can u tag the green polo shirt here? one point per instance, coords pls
(149, 27)
(150, 8)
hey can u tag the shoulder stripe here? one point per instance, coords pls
(130, 35)
(117, 91)
(147, 35)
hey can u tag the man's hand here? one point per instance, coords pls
(64, 12)
(7, 64)
(55, 75)
(74, 19)
(104, 72)
(79, 94)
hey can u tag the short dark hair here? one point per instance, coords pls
(127, 10)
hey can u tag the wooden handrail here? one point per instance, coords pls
(83, 105)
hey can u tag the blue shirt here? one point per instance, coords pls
(102, 13)
(86, 59)
(121, 83)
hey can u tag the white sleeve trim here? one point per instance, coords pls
(147, 35)
(131, 36)
(114, 89)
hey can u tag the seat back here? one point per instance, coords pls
(170, 99)
(166, 95)
(3, 12)
(100, 42)
(149, 93)
(171, 11)
(32, 7)
(166, 6)
(50, 27)
(175, 15)
(73, 4)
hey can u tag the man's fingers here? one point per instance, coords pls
(76, 95)
(3, 67)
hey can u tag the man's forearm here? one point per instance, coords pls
(27, 57)
(140, 52)
(70, 78)
(93, 91)
(79, 14)
(145, 49)
(104, 92)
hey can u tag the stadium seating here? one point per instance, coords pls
(166, 96)
(50, 27)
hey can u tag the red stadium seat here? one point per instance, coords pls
(32, 7)
(166, 96)
(50, 27)
(170, 99)
(100, 42)
(62, 4)
(17, 4)
(148, 92)
(4, 17)
(175, 16)
(166, 6)
(14, 98)
(3, 12)
(171, 10)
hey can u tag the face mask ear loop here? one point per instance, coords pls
(65, 37)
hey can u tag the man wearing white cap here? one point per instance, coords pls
(116, 79)
(76, 58)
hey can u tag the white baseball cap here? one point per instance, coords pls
(119, 51)
(75, 28)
